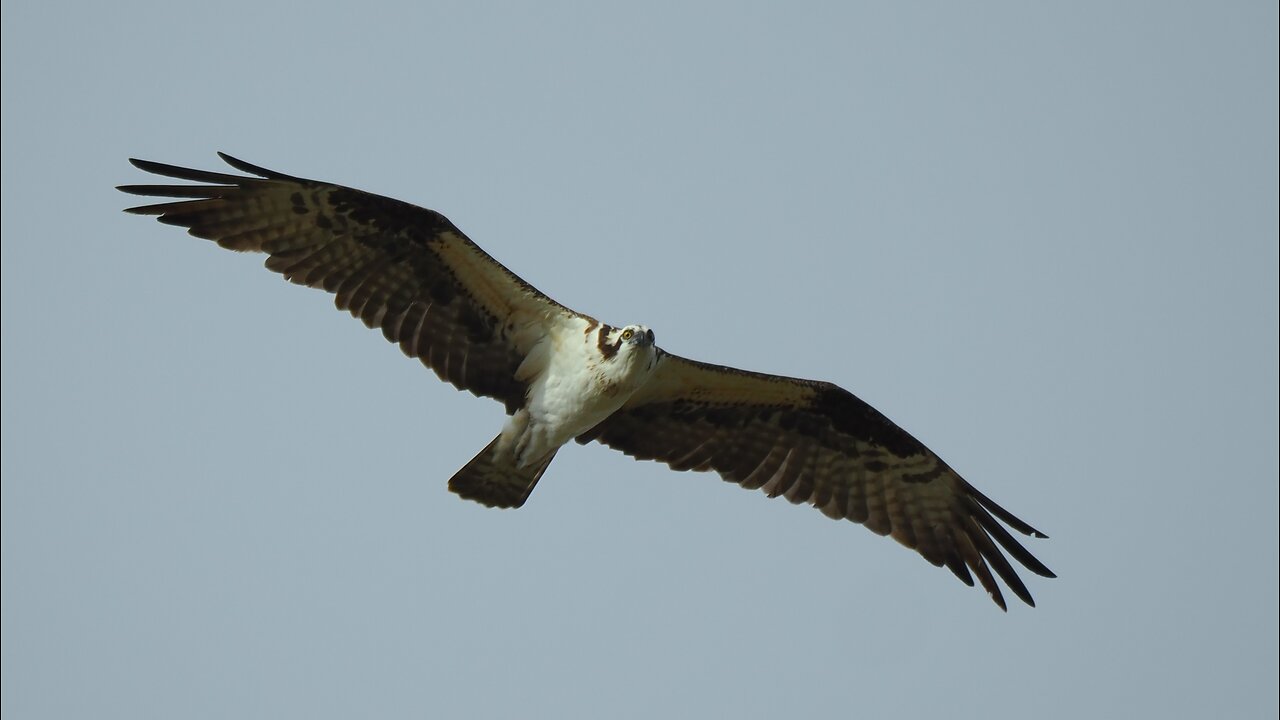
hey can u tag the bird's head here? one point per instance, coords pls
(636, 335)
(631, 346)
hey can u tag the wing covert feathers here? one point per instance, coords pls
(816, 443)
(401, 268)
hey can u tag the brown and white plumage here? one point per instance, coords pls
(391, 264)
(563, 375)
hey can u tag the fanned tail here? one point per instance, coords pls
(496, 481)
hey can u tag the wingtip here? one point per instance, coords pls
(240, 165)
(252, 169)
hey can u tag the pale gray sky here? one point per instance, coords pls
(1043, 238)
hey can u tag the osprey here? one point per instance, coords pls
(566, 376)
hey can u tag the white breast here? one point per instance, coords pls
(571, 389)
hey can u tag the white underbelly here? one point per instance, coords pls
(572, 394)
(560, 409)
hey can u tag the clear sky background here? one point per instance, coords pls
(1043, 238)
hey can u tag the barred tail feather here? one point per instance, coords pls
(496, 481)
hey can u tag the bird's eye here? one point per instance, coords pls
(626, 334)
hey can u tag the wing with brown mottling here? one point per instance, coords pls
(813, 442)
(398, 267)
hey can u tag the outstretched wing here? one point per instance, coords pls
(398, 267)
(816, 443)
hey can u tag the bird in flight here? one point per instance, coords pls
(566, 376)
